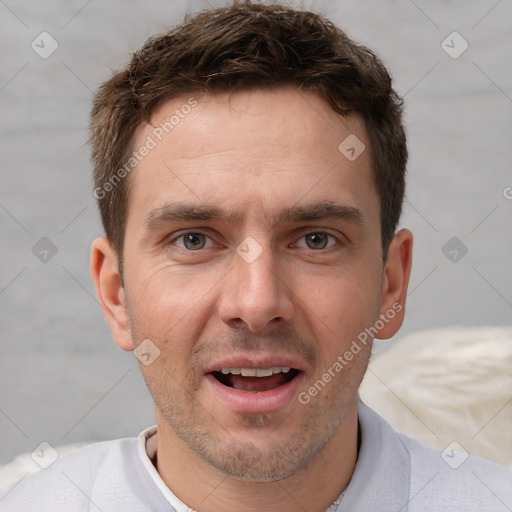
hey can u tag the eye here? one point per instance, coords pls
(192, 241)
(318, 240)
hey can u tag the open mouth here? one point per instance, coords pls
(255, 380)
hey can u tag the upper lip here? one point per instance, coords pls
(254, 361)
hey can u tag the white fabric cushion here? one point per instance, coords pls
(24, 464)
(448, 385)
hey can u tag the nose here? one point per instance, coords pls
(256, 294)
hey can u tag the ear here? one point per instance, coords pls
(394, 284)
(107, 282)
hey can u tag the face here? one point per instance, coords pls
(252, 262)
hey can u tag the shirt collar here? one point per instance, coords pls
(147, 444)
(380, 481)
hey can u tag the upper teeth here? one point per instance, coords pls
(256, 372)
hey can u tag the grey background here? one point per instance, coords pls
(62, 379)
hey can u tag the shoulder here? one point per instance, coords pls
(71, 482)
(455, 478)
(395, 472)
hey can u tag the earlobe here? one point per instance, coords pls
(110, 292)
(395, 283)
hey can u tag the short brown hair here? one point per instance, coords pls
(240, 47)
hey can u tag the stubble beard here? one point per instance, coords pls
(285, 454)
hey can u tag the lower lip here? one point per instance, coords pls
(247, 402)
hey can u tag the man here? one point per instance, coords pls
(249, 168)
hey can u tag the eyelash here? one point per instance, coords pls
(192, 232)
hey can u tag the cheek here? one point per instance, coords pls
(167, 306)
(340, 307)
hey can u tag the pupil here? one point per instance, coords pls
(318, 240)
(194, 241)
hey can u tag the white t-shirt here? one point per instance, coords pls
(393, 473)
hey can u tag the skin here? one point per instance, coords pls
(253, 154)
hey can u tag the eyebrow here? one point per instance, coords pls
(320, 211)
(175, 212)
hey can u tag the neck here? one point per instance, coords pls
(313, 488)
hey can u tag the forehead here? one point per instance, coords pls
(274, 146)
